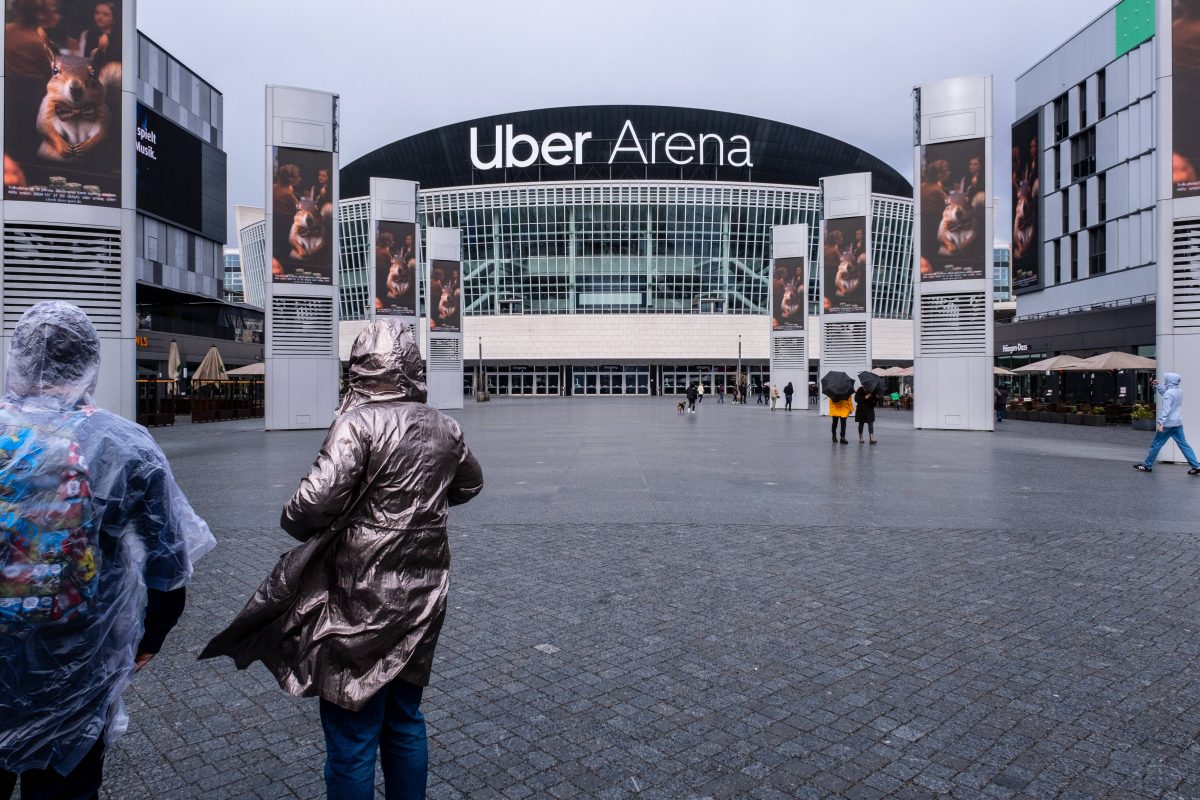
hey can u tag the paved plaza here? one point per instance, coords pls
(726, 605)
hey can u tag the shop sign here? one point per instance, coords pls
(1018, 347)
(143, 341)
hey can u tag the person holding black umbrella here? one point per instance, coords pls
(840, 410)
(839, 388)
(864, 412)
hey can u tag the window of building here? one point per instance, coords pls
(1058, 261)
(1083, 105)
(1101, 91)
(1096, 248)
(1060, 118)
(1083, 154)
(1102, 191)
(1066, 212)
(1083, 192)
(1074, 257)
(1058, 161)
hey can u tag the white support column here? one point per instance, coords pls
(952, 238)
(1177, 344)
(302, 367)
(70, 230)
(845, 272)
(789, 310)
(395, 253)
(444, 359)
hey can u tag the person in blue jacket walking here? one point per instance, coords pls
(1170, 424)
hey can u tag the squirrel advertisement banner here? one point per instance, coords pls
(953, 211)
(395, 269)
(302, 217)
(788, 300)
(62, 102)
(1026, 202)
(844, 261)
(445, 296)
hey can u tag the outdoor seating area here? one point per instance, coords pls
(211, 394)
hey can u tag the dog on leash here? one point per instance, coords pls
(74, 115)
(680, 407)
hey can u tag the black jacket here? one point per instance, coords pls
(692, 394)
(864, 406)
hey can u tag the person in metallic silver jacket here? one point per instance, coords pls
(353, 613)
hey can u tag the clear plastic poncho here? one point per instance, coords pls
(90, 516)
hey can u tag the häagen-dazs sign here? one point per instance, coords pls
(520, 150)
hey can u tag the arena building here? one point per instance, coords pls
(623, 249)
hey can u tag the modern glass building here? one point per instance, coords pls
(623, 249)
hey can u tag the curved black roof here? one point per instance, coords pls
(780, 153)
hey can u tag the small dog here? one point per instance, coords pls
(957, 229)
(680, 407)
(74, 115)
(849, 274)
(307, 237)
(789, 305)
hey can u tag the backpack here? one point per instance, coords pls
(48, 557)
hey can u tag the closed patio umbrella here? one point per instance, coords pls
(211, 369)
(174, 368)
(1113, 361)
(1050, 364)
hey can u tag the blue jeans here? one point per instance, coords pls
(1161, 437)
(390, 724)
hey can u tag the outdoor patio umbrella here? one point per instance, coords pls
(1050, 364)
(837, 385)
(174, 368)
(211, 369)
(903, 372)
(250, 369)
(880, 370)
(872, 382)
(1002, 371)
(1113, 361)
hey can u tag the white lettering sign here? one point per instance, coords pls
(512, 149)
(1014, 348)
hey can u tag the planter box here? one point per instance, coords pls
(1073, 419)
(1095, 420)
(1054, 416)
(1144, 425)
(1021, 414)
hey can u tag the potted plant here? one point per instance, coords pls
(1143, 417)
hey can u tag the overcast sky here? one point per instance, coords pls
(845, 68)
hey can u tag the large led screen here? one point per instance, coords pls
(1185, 106)
(788, 279)
(844, 261)
(62, 102)
(169, 181)
(953, 211)
(302, 206)
(445, 296)
(1026, 197)
(395, 269)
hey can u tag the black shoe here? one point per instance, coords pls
(1143, 468)
(844, 441)
(1194, 471)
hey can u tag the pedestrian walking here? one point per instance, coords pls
(693, 395)
(1170, 424)
(745, 388)
(700, 392)
(864, 413)
(97, 546)
(840, 410)
(759, 389)
(787, 396)
(353, 613)
(720, 394)
(774, 396)
(1001, 403)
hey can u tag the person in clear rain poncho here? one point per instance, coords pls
(96, 545)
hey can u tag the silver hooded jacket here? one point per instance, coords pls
(361, 601)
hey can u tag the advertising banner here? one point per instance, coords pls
(302, 203)
(396, 269)
(1026, 195)
(168, 170)
(844, 265)
(445, 296)
(788, 281)
(62, 102)
(953, 219)
(1185, 105)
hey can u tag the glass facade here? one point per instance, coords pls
(627, 247)
(1001, 275)
(233, 276)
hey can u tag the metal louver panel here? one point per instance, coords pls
(302, 326)
(954, 324)
(81, 266)
(844, 343)
(1185, 268)
(789, 351)
(445, 355)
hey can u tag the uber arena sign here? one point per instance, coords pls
(559, 149)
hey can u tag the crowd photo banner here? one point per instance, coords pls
(302, 205)
(953, 211)
(790, 247)
(844, 261)
(1026, 204)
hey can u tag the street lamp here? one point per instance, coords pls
(737, 376)
(480, 387)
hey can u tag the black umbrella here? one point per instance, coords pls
(837, 385)
(872, 383)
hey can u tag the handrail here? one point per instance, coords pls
(1099, 306)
